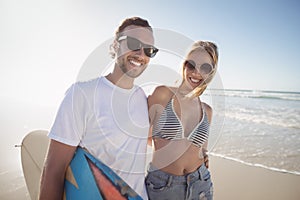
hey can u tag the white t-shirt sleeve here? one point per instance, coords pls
(69, 124)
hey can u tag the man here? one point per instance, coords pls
(107, 116)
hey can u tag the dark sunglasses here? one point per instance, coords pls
(135, 45)
(205, 68)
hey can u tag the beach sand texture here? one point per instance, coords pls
(237, 181)
(232, 181)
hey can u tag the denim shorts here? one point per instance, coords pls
(193, 186)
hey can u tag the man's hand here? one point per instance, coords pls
(206, 161)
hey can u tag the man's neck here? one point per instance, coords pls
(120, 79)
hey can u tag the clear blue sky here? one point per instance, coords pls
(44, 44)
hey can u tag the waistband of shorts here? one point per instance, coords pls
(196, 175)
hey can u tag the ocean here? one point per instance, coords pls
(260, 128)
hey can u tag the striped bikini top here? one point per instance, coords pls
(169, 127)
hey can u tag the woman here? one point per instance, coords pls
(180, 129)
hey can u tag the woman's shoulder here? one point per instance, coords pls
(164, 89)
(162, 94)
(206, 106)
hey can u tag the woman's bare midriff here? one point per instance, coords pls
(178, 157)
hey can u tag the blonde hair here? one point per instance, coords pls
(212, 49)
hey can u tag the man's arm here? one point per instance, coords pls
(205, 155)
(58, 159)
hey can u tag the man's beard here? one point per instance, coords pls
(129, 73)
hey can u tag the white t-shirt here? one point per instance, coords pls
(111, 123)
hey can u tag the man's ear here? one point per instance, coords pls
(115, 45)
(113, 48)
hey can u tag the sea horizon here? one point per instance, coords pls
(261, 90)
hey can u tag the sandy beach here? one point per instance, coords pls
(232, 180)
(13, 187)
(238, 181)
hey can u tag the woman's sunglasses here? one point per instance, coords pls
(135, 45)
(205, 69)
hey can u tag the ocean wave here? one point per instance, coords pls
(265, 118)
(289, 96)
(3, 173)
(255, 164)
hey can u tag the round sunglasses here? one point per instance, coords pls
(135, 45)
(205, 69)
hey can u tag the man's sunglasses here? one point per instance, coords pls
(135, 45)
(205, 69)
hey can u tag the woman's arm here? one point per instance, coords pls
(208, 111)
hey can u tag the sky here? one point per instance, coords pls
(44, 44)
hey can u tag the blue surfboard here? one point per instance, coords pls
(86, 177)
(89, 178)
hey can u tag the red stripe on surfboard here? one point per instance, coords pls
(107, 189)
